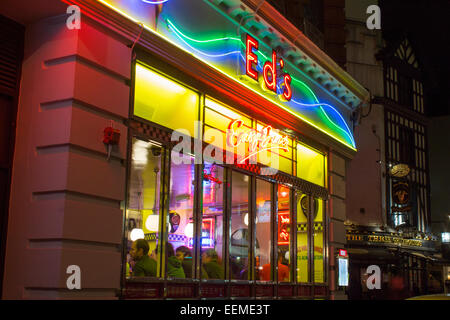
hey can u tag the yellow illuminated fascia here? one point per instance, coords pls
(222, 109)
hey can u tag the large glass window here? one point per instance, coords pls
(263, 242)
(164, 101)
(284, 240)
(318, 211)
(275, 156)
(239, 235)
(180, 227)
(143, 214)
(212, 222)
(310, 165)
(302, 237)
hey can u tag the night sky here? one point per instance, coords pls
(427, 25)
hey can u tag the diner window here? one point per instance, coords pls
(163, 101)
(212, 244)
(302, 237)
(217, 119)
(180, 226)
(284, 234)
(240, 222)
(275, 157)
(143, 214)
(318, 238)
(263, 243)
(310, 165)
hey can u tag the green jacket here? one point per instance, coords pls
(145, 267)
(187, 267)
(174, 268)
(214, 270)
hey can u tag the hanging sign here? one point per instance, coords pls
(283, 228)
(343, 253)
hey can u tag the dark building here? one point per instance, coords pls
(389, 187)
(322, 21)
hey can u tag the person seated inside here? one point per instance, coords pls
(184, 254)
(283, 270)
(174, 266)
(211, 264)
(144, 265)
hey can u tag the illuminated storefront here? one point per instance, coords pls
(244, 215)
(233, 142)
(222, 198)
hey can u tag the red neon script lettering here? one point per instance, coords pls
(284, 235)
(284, 220)
(258, 140)
(270, 73)
(287, 90)
(252, 58)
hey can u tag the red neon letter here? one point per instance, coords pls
(272, 67)
(251, 58)
(287, 92)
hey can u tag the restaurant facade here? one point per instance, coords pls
(215, 126)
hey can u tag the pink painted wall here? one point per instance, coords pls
(65, 195)
(365, 183)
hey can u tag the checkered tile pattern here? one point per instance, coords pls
(151, 131)
(302, 227)
(253, 168)
(176, 237)
(305, 186)
(318, 226)
(151, 236)
(172, 237)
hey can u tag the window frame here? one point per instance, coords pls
(198, 198)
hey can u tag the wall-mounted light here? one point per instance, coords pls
(189, 230)
(137, 234)
(246, 219)
(152, 222)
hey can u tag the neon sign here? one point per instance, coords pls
(283, 228)
(269, 70)
(210, 177)
(155, 2)
(258, 141)
(251, 58)
(207, 238)
(343, 253)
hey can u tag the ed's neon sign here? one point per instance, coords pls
(258, 141)
(269, 70)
